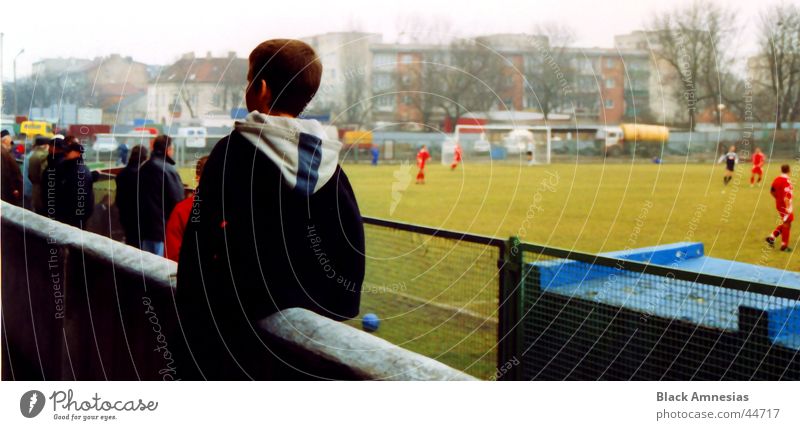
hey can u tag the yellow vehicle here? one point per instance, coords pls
(358, 138)
(31, 129)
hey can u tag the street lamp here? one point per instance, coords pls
(15, 80)
(2, 35)
(720, 108)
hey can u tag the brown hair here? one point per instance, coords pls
(785, 168)
(201, 163)
(138, 155)
(161, 143)
(291, 70)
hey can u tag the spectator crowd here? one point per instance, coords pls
(54, 181)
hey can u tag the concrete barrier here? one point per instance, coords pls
(80, 306)
(359, 354)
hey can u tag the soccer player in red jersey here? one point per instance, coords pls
(782, 191)
(758, 163)
(456, 157)
(422, 158)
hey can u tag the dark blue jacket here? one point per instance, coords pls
(74, 195)
(160, 189)
(254, 246)
(126, 200)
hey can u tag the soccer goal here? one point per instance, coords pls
(530, 144)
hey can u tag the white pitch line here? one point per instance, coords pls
(449, 308)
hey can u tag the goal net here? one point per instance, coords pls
(528, 144)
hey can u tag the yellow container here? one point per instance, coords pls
(644, 133)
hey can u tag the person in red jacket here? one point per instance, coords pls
(422, 157)
(180, 216)
(782, 191)
(456, 157)
(758, 163)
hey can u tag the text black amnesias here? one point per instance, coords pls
(663, 396)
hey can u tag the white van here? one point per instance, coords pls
(193, 137)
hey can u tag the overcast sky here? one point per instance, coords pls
(157, 31)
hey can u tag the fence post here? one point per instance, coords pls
(509, 332)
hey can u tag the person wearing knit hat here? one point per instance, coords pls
(5, 139)
(74, 197)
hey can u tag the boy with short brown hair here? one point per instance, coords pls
(276, 223)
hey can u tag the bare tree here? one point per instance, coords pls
(232, 83)
(550, 70)
(50, 88)
(355, 79)
(468, 78)
(693, 40)
(417, 84)
(418, 28)
(779, 34)
(187, 97)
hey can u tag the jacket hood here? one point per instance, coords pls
(300, 148)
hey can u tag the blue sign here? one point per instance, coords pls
(238, 113)
(141, 122)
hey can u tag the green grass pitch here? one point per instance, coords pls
(587, 207)
(439, 297)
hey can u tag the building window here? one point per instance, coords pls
(610, 63)
(406, 58)
(610, 83)
(382, 81)
(609, 104)
(583, 66)
(379, 60)
(586, 84)
(385, 101)
(532, 63)
(407, 100)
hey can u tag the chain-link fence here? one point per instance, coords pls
(590, 317)
(435, 293)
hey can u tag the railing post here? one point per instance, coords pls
(511, 303)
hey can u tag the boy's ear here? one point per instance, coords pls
(264, 94)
